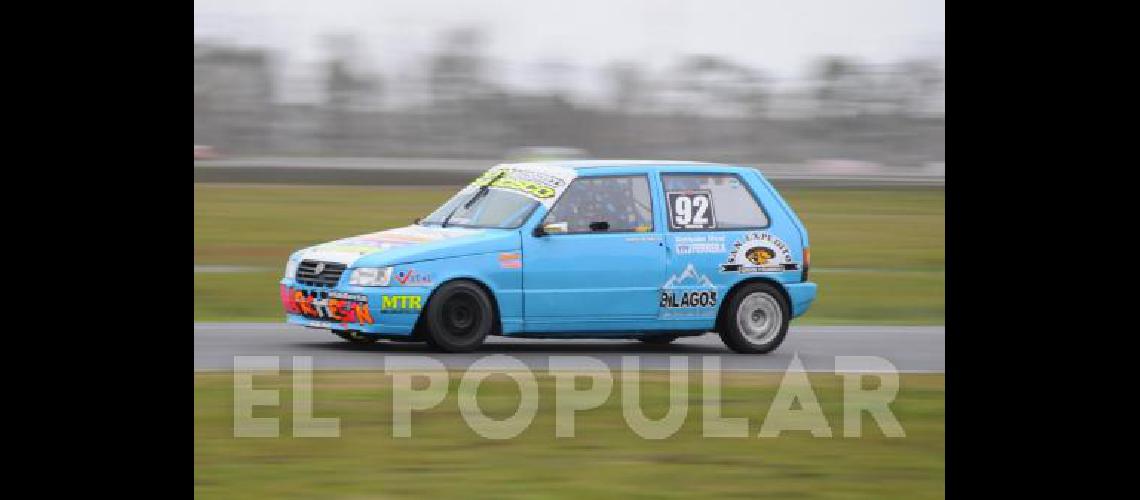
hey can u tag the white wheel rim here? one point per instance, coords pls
(759, 318)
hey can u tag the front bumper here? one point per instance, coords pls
(802, 295)
(376, 310)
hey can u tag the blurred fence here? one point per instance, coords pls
(449, 171)
(453, 102)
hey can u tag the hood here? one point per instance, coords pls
(411, 244)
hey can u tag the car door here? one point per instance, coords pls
(603, 265)
(717, 233)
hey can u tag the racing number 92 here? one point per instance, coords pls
(691, 210)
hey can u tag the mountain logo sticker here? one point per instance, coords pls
(686, 291)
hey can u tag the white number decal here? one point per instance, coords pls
(692, 210)
(684, 210)
(702, 204)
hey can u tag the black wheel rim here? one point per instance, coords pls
(462, 315)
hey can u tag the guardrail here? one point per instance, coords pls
(449, 171)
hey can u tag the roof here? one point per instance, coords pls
(589, 164)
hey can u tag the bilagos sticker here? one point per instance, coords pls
(689, 291)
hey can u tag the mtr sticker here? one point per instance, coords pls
(397, 304)
(334, 306)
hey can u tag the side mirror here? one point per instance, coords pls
(552, 228)
(600, 226)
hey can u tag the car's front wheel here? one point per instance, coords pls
(459, 317)
(756, 320)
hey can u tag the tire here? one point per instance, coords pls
(459, 317)
(360, 339)
(756, 319)
(658, 339)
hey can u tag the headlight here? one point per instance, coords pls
(291, 267)
(370, 276)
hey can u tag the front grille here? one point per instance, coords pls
(329, 276)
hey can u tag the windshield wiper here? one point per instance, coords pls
(478, 194)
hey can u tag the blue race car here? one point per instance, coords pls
(650, 250)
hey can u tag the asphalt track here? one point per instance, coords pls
(907, 348)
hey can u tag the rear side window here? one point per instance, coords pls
(612, 204)
(704, 202)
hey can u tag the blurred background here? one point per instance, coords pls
(852, 84)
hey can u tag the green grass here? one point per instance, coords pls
(878, 255)
(446, 459)
(262, 225)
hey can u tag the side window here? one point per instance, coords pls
(705, 202)
(616, 204)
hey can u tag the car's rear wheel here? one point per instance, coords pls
(459, 317)
(658, 339)
(756, 320)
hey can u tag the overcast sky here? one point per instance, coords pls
(781, 37)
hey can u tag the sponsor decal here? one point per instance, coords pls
(535, 184)
(641, 239)
(411, 277)
(688, 245)
(358, 297)
(400, 303)
(331, 306)
(510, 260)
(699, 298)
(759, 253)
(692, 248)
(689, 293)
(541, 182)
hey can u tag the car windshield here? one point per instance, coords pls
(495, 209)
